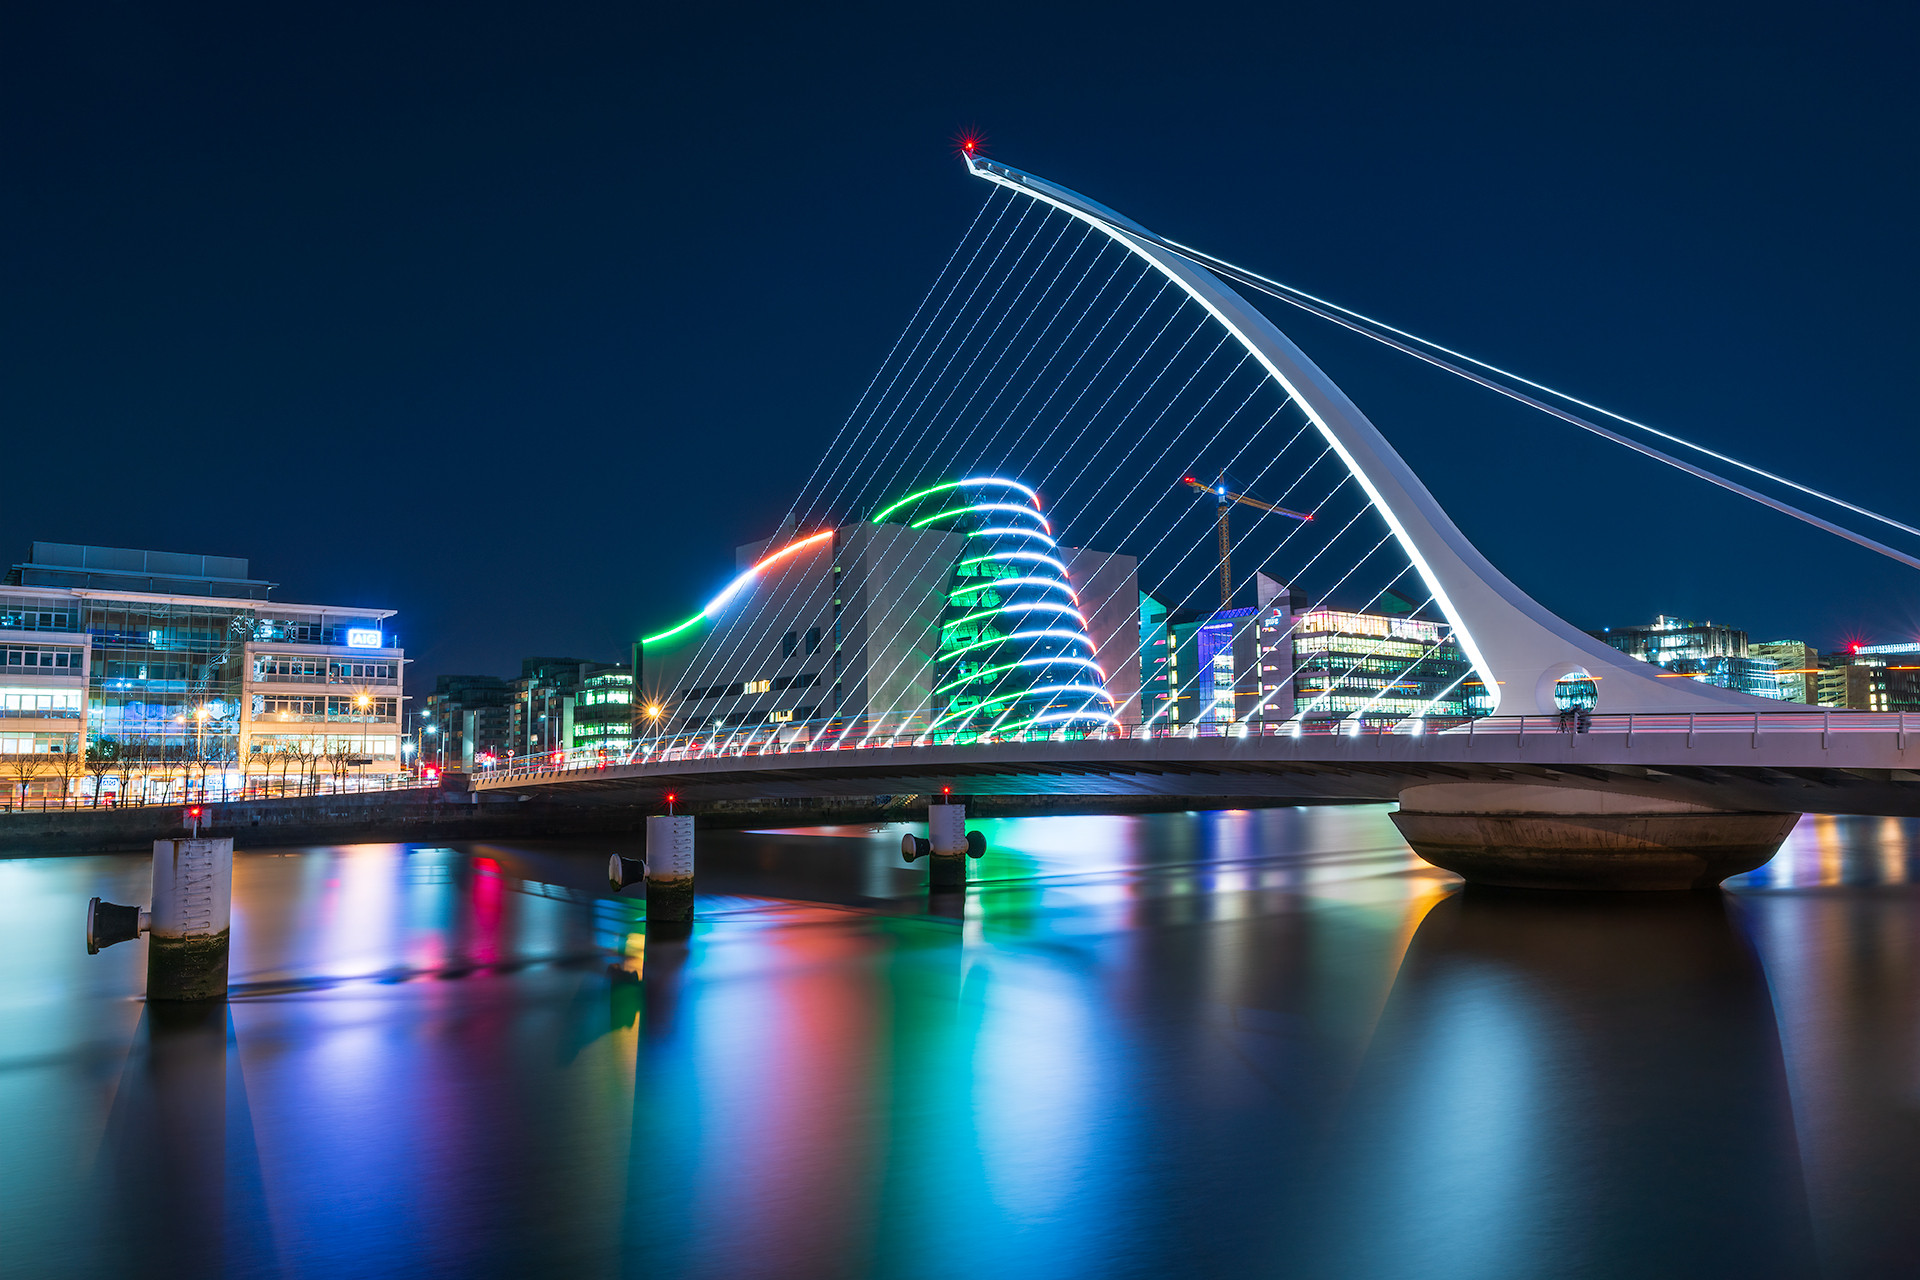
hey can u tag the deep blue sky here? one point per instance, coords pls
(518, 317)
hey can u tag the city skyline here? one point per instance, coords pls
(305, 301)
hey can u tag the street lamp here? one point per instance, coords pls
(363, 701)
(200, 744)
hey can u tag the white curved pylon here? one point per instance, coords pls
(1516, 645)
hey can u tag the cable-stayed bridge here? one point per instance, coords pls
(936, 610)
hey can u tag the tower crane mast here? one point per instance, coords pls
(1224, 498)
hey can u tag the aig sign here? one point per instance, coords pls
(358, 639)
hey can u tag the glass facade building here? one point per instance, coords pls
(1267, 668)
(1707, 651)
(1014, 653)
(183, 659)
(1373, 668)
(603, 712)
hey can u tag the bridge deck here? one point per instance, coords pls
(1806, 771)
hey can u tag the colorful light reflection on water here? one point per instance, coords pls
(1211, 1044)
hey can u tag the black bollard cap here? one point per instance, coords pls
(622, 872)
(108, 923)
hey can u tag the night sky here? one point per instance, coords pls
(518, 318)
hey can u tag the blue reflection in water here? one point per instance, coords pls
(1266, 1042)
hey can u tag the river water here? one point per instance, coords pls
(1224, 1044)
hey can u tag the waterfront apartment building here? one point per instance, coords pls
(467, 722)
(543, 703)
(553, 705)
(953, 611)
(184, 657)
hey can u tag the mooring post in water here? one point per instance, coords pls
(669, 867)
(189, 923)
(948, 843)
(191, 914)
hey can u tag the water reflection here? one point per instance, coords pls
(1590, 1084)
(1239, 1043)
(1825, 850)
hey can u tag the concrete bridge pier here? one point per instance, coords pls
(1531, 836)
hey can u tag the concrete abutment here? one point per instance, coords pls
(1521, 836)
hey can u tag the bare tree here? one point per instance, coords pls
(103, 757)
(339, 754)
(132, 753)
(174, 756)
(71, 765)
(23, 769)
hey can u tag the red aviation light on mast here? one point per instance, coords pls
(969, 143)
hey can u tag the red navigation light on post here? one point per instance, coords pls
(671, 797)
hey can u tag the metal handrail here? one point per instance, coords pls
(859, 734)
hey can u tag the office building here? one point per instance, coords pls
(1706, 651)
(1159, 663)
(1878, 677)
(951, 613)
(1796, 667)
(1222, 667)
(183, 660)
(1379, 669)
(1257, 669)
(603, 712)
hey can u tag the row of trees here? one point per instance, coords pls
(137, 765)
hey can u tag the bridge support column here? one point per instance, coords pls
(1525, 836)
(669, 869)
(949, 844)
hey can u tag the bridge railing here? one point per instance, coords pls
(858, 735)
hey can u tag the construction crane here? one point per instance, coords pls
(1225, 497)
